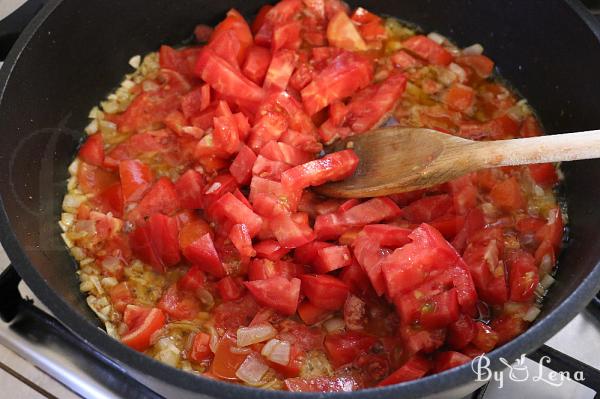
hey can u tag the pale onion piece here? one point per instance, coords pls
(277, 351)
(135, 61)
(86, 286)
(78, 253)
(334, 325)
(252, 369)
(93, 113)
(168, 356)
(205, 297)
(532, 313)
(128, 84)
(67, 241)
(107, 127)
(255, 334)
(436, 37)
(67, 218)
(92, 127)
(110, 107)
(86, 261)
(547, 281)
(109, 282)
(474, 49)
(63, 226)
(72, 183)
(74, 167)
(96, 281)
(111, 330)
(214, 340)
(458, 71)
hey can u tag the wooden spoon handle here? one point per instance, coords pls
(554, 148)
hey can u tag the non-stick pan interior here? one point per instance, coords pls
(80, 53)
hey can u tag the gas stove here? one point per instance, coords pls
(565, 367)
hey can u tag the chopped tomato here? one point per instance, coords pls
(311, 314)
(459, 97)
(256, 64)
(178, 304)
(332, 167)
(481, 64)
(544, 174)
(324, 291)
(342, 33)
(203, 253)
(485, 338)
(200, 348)
(226, 361)
(523, 276)
(343, 348)
(161, 197)
(190, 189)
(331, 258)
(235, 23)
(416, 367)
(229, 289)
(136, 179)
(447, 360)
(231, 208)
(193, 279)
(142, 323)
(428, 50)
(461, 332)
(92, 150)
(277, 293)
(240, 237)
(120, 296)
(507, 195)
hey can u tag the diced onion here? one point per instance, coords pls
(92, 127)
(436, 37)
(252, 369)
(255, 334)
(546, 264)
(74, 167)
(474, 49)
(547, 281)
(135, 61)
(277, 351)
(214, 187)
(532, 313)
(149, 85)
(458, 71)
(334, 325)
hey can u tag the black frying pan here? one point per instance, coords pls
(75, 52)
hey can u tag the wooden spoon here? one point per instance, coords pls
(397, 159)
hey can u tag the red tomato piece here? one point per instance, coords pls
(428, 208)
(461, 332)
(268, 169)
(178, 304)
(222, 77)
(417, 339)
(345, 74)
(286, 36)
(200, 348)
(289, 232)
(202, 252)
(270, 249)
(428, 50)
(280, 70)
(92, 150)
(459, 97)
(231, 208)
(237, 25)
(136, 179)
(507, 195)
(342, 33)
(343, 348)
(240, 237)
(332, 258)
(226, 137)
(277, 293)
(485, 338)
(226, 361)
(416, 367)
(256, 64)
(190, 189)
(259, 20)
(164, 234)
(544, 174)
(193, 279)
(311, 314)
(324, 291)
(403, 60)
(287, 153)
(440, 310)
(161, 197)
(143, 322)
(229, 289)
(332, 167)
(523, 276)
(308, 253)
(241, 167)
(447, 360)
(481, 64)
(120, 296)
(111, 200)
(94, 180)
(262, 269)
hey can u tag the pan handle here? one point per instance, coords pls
(12, 26)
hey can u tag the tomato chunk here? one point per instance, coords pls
(332, 167)
(428, 50)
(92, 150)
(324, 291)
(277, 293)
(143, 322)
(416, 367)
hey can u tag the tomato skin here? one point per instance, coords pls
(111, 200)
(160, 198)
(324, 291)
(416, 367)
(259, 20)
(332, 167)
(190, 189)
(143, 323)
(343, 348)
(92, 150)
(202, 252)
(277, 293)
(136, 179)
(289, 232)
(445, 310)
(93, 179)
(262, 269)
(164, 234)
